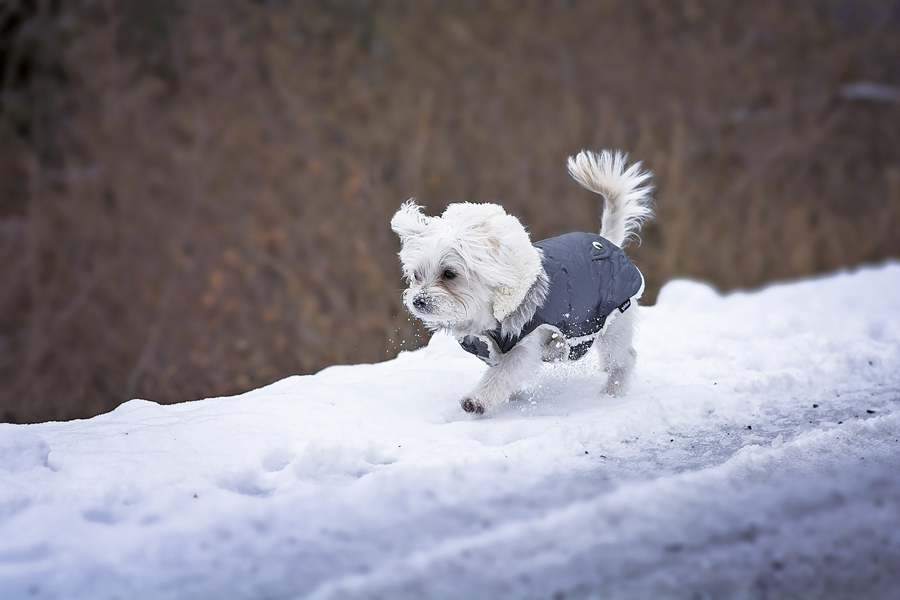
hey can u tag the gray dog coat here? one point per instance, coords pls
(589, 278)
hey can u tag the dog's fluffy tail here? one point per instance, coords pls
(625, 191)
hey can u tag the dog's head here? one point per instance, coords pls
(468, 269)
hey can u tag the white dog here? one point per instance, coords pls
(474, 272)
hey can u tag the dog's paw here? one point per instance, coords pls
(615, 385)
(613, 389)
(472, 405)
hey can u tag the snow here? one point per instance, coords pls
(757, 455)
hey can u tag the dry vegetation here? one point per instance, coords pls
(195, 196)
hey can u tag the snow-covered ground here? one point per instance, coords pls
(757, 456)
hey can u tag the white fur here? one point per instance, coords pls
(626, 200)
(474, 268)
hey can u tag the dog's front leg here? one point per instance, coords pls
(500, 381)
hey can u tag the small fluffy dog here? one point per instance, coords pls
(474, 272)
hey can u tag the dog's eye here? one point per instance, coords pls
(448, 274)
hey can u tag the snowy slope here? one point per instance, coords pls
(757, 456)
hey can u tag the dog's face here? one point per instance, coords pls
(441, 291)
(461, 267)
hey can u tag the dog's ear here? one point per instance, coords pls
(409, 220)
(499, 248)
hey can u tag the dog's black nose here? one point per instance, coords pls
(420, 302)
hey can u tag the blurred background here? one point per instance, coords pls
(195, 195)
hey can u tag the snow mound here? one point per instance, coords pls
(756, 456)
(21, 449)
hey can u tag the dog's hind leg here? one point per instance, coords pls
(616, 349)
(500, 381)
